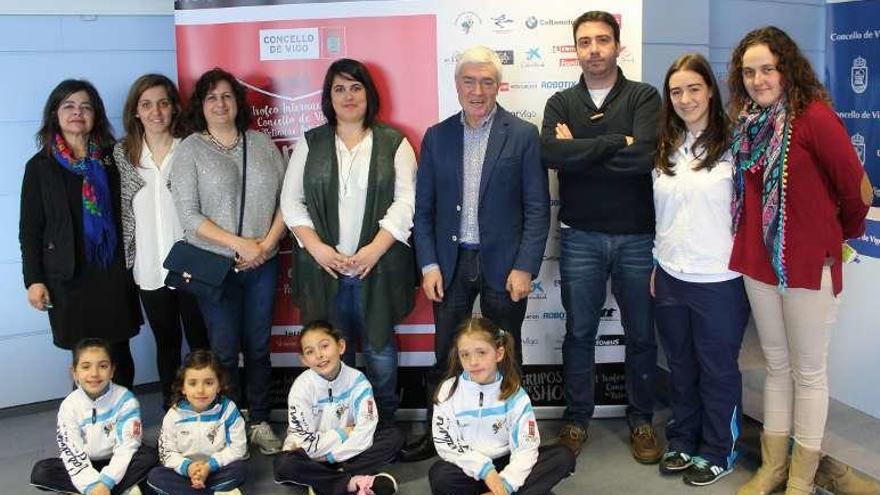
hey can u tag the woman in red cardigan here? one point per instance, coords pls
(799, 192)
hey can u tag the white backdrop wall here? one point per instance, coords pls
(40, 50)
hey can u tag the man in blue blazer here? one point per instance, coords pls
(482, 214)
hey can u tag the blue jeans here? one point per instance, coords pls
(586, 261)
(241, 321)
(381, 364)
(165, 480)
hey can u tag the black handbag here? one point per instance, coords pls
(199, 271)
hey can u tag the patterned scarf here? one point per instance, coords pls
(98, 226)
(760, 144)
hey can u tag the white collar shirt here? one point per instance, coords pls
(693, 211)
(157, 226)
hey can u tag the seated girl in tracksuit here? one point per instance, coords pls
(203, 441)
(99, 432)
(332, 445)
(484, 427)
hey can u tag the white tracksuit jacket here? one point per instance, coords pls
(108, 427)
(474, 426)
(320, 410)
(216, 435)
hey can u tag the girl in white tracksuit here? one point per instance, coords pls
(203, 441)
(332, 445)
(484, 427)
(99, 432)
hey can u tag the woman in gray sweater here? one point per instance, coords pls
(206, 185)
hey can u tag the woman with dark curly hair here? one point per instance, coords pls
(799, 192)
(69, 228)
(209, 175)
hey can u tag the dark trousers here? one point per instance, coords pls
(554, 463)
(587, 260)
(332, 479)
(241, 321)
(701, 327)
(171, 314)
(166, 481)
(381, 364)
(458, 305)
(51, 475)
(124, 364)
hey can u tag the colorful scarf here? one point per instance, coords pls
(761, 141)
(98, 226)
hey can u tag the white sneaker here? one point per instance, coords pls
(135, 490)
(234, 491)
(261, 435)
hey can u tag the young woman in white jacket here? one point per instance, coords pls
(332, 445)
(484, 427)
(203, 442)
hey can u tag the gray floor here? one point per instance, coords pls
(604, 467)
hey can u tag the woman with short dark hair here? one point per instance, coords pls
(206, 184)
(349, 198)
(69, 232)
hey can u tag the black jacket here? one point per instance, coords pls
(604, 185)
(45, 229)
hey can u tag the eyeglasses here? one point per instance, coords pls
(766, 71)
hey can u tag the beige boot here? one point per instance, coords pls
(774, 466)
(804, 463)
(840, 479)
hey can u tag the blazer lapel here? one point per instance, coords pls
(457, 150)
(497, 138)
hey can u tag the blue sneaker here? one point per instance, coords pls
(674, 462)
(702, 472)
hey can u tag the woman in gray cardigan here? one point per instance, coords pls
(150, 225)
(207, 188)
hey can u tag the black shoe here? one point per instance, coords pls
(419, 451)
(702, 473)
(384, 484)
(674, 462)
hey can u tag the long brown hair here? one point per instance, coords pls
(713, 141)
(799, 82)
(197, 360)
(134, 128)
(483, 328)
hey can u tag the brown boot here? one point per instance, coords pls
(643, 445)
(802, 471)
(840, 479)
(774, 466)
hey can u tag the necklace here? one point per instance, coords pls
(348, 175)
(222, 147)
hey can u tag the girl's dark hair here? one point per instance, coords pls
(194, 117)
(102, 131)
(490, 332)
(799, 82)
(596, 16)
(198, 360)
(91, 343)
(134, 128)
(713, 141)
(323, 327)
(352, 70)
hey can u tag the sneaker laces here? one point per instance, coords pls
(700, 462)
(644, 431)
(573, 431)
(674, 453)
(261, 432)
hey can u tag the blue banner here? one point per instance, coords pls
(852, 75)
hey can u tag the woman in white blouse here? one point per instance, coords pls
(348, 197)
(150, 225)
(701, 306)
